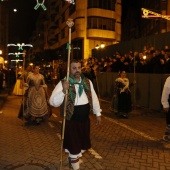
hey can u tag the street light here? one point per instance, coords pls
(6, 62)
(97, 47)
(102, 45)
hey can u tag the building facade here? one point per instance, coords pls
(3, 30)
(96, 22)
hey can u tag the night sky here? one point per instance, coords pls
(134, 5)
(22, 22)
(130, 3)
(131, 19)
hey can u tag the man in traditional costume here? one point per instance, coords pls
(81, 98)
(165, 100)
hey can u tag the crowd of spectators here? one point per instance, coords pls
(152, 61)
(148, 61)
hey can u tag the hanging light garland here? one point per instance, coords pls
(16, 54)
(40, 4)
(146, 13)
(20, 45)
(17, 60)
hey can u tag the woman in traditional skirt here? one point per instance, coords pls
(122, 95)
(18, 88)
(36, 106)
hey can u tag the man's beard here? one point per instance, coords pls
(76, 75)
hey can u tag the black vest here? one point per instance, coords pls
(70, 102)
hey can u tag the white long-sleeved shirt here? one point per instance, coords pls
(165, 93)
(57, 98)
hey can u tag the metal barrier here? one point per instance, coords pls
(145, 93)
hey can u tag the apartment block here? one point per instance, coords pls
(96, 23)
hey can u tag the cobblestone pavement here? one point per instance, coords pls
(117, 144)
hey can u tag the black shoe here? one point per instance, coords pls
(166, 138)
(113, 110)
(26, 124)
(30, 123)
(124, 116)
(38, 121)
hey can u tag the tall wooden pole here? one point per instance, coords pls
(97, 84)
(23, 67)
(70, 23)
(134, 84)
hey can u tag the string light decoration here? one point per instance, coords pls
(146, 13)
(17, 60)
(20, 45)
(40, 4)
(16, 54)
(71, 1)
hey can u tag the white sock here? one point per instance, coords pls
(75, 163)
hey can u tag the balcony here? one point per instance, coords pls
(104, 34)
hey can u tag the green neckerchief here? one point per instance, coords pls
(80, 89)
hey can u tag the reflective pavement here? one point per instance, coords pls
(117, 144)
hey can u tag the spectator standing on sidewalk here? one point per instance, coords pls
(12, 80)
(1, 77)
(1, 80)
(81, 98)
(54, 77)
(165, 100)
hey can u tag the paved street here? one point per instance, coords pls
(117, 144)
